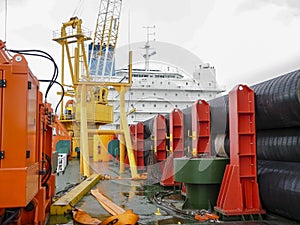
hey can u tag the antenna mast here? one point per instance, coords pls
(147, 55)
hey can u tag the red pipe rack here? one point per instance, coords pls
(176, 126)
(160, 135)
(176, 145)
(239, 190)
(137, 139)
(201, 128)
(139, 134)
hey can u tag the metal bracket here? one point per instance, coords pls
(2, 154)
(2, 83)
(27, 154)
(29, 85)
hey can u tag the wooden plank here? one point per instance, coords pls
(107, 204)
(65, 204)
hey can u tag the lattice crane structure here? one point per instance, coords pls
(102, 49)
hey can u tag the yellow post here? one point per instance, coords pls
(96, 145)
(121, 137)
(124, 125)
(122, 151)
(84, 144)
(85, 61)
(81, 164)
(62, 80)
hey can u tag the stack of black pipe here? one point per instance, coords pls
(277, 110)
(149, 131)
(277, 114)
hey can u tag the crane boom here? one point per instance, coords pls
(102, 49)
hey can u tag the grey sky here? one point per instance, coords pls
(250, 4)
(247, 41)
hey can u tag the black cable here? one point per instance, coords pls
(66, 189)
(47, 56)
(55, 73)
(48, 171)
(158, 199)
(62, 95)
(9, 219)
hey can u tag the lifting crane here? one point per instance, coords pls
(100, 67)
(102, 49)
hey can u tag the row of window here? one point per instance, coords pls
(176, 94)
(187, 83)
(156, 76)
(166, 106)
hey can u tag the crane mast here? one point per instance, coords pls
(90, 88)
(102, 49)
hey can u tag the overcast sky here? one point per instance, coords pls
(247, 41)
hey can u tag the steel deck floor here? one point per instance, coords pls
(130, 194)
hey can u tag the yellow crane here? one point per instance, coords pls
(91, 80)
(102, 49)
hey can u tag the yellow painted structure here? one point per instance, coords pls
(100, 148)
(84, 144)
(97, 113)
(64, 205)
(92, 109)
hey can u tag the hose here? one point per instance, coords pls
(62, 96)
(158, 199)
(9, 219)
(45, 55)
(48, 171)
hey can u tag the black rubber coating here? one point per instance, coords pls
(277, 102)
(276, 145)
(279, 185)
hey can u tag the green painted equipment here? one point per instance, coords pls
(202, 177)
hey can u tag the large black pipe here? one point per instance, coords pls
(276, 145)
(277, 114)
(218, 123)
(279, 144)
(148, 127)
(277, 104)
(219, 115)
(279, 185)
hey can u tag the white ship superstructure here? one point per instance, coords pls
(155, 91)
(159, 87)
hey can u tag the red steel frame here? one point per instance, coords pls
(137, 137)
(139, 134)
(176, 123)
(201, 128)
(239, 193)
(160, 136)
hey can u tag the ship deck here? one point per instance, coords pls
(135, 195)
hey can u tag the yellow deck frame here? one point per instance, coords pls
(82, 83)
(65, 204)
